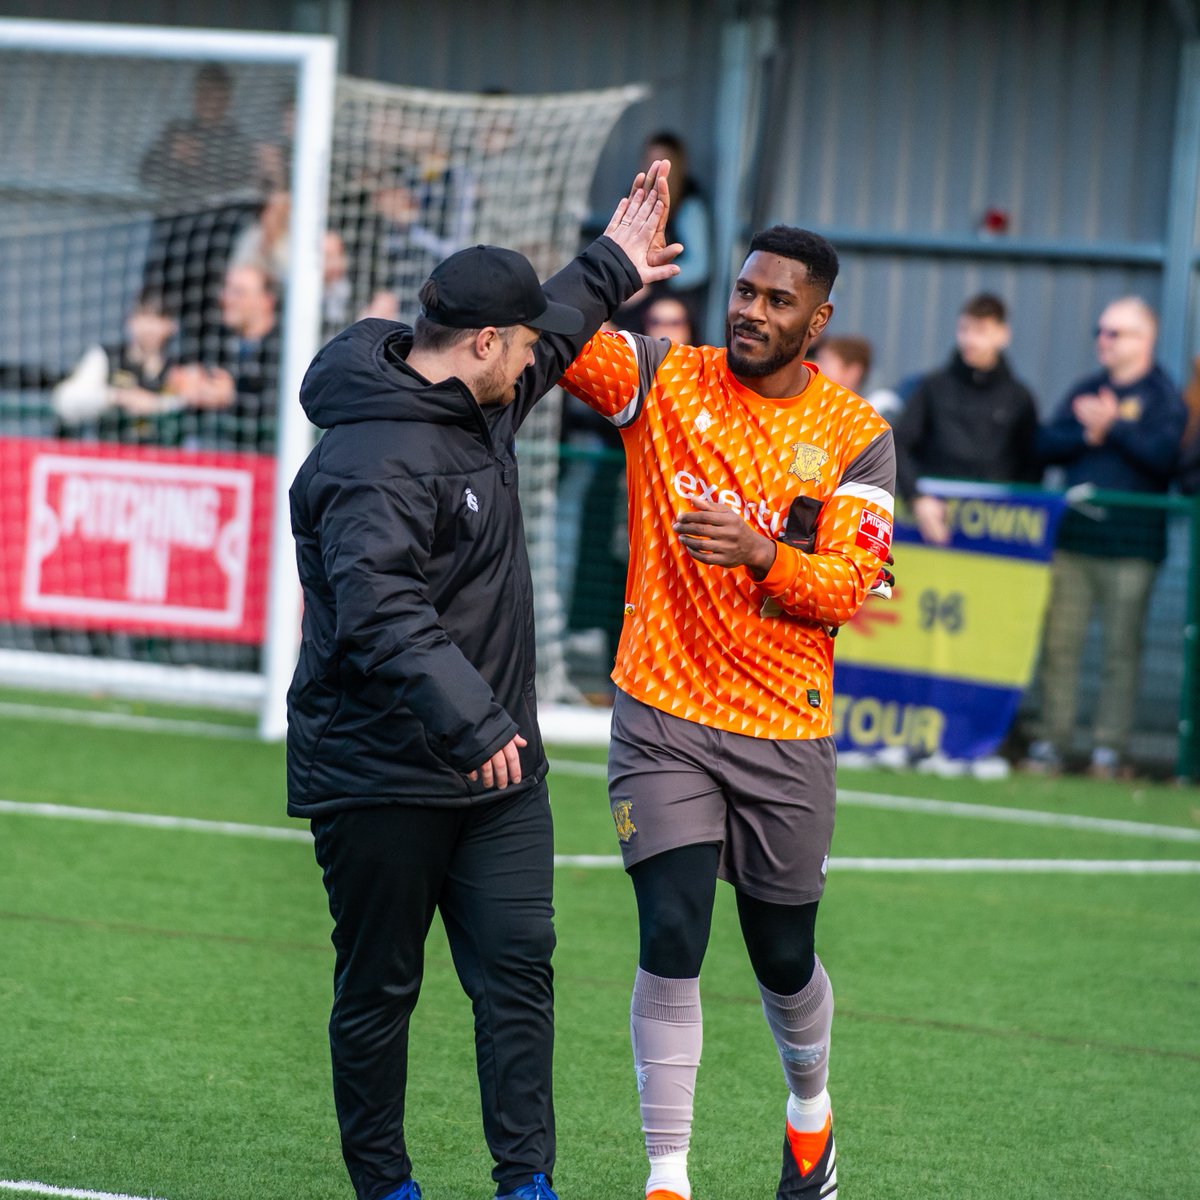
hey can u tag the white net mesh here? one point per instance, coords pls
(140, 351)
(144, 259)
(419, 174)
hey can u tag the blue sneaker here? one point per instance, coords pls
(410, 1189)
(538, 1188)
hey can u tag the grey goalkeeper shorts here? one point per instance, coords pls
(768, 804)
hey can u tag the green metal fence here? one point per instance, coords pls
(1165, 735)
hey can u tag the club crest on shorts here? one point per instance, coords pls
(622, 812)
(807, 461)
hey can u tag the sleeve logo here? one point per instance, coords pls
(874, 533)
(807, 461)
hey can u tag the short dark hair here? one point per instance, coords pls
(430, 335)
(151, 299)
(985, 306)
(214, 75)
(671, 142)
(804, 246)
(435, 337)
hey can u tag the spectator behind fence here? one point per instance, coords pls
(973, 419)
(691, 221)
(120, 393)
(206, 178)
(266, 243)
(409, 208)
(234, 401)
(1117, 429)
(847, 361)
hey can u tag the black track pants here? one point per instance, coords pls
(489, 871)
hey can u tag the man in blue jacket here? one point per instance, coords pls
(1119, 430)
(413, 743)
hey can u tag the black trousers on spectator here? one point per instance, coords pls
(489, 870)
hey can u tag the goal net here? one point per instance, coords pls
(418, 174)
(185, 216)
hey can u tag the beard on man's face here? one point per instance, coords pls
(789, 347)
(495, 387)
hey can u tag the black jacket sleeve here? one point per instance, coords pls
(596, 282)
(375, 539)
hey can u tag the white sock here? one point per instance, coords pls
(808, 1116)
(669, 1171)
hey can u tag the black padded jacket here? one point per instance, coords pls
(417, 657)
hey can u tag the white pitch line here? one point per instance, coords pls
(586, 770)
(102, 719)
(104, 816)
(1021, 866)
(276, 833)
(593, 770)
(964, 866)
(29, 1188)
(1018, 816)
(953, 808)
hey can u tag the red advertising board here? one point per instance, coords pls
(146, 541)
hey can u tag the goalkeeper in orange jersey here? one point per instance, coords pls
(760, 517)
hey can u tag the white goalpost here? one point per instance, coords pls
(77, 113)
(184, 217)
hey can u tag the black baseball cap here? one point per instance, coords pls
(488, 285)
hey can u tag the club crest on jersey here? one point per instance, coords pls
(808, 461)
(622, 811)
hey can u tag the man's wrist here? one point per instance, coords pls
(762, 560)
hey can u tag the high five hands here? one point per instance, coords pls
(639, 223)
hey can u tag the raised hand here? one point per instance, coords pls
(638, 225)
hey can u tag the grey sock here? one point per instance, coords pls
(800, 1025)
(667, 1033)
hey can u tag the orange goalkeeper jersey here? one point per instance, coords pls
(815, 472)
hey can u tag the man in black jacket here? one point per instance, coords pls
(413, 743)
(973, 419)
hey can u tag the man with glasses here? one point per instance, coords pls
(1118, 429)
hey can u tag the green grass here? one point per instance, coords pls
(164, 995)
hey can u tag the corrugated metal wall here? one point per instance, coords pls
(922, 114)
(212, 14)
(550, 46)
(912, 117)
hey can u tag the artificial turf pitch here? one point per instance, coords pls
(164, 993)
